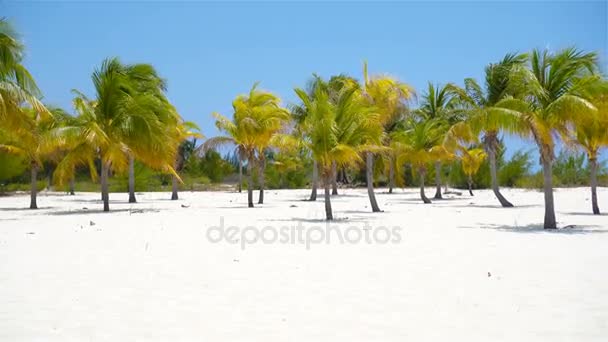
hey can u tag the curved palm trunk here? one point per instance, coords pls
(315, 181)
(334, 178)
(72, 186)
(470, 181)
(369, 165)
(438, 180)
(593, 171)
(328, 212)
(33, 186)
(240, 173)
(132, 198)
(250, 182)
(391, 175)
(261, 180)
(425, 199)
(550, 222)
(492, 160)
(104, 186)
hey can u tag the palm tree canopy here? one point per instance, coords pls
(130, 115)
(17, 86)
(547, 94)
(257, 117)
(340, 128)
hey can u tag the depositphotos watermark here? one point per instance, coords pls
(307, 236)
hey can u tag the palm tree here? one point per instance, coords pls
(257, 118)
(420, 144)
(17, 86)
(37, 140)
(590, 132)
(484, 115)
(183, 131)
(128, 119)
(339, 129)
(471, 160)
(388, 96)
(548, 102)
(439, 104)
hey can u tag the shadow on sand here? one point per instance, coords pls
(583, 214)
(538, 229)
(100, 211)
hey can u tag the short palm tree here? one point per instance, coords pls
(183, 131)
(590, 132)
(471, 160)
(257, 118)
(483, 115)
(388, 97)
(37, 140)
(420, 143)
(548, 101)
(439, 104)
(339, 130)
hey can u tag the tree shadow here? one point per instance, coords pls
(24, 208)
(498, 206)
(336, 220)
(538, 229)
(100, 211)
(582, 213)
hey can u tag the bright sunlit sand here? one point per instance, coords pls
(465, 269)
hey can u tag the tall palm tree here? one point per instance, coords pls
(483, 114)
(548, 102)
(37, 140)
(257, 118)
(590, 132)
(127, 118)
(388, 96)
(17, 87)
(339, 129)
(439, 104)
(471, 160)
(420, 143)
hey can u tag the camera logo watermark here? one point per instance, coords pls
(299, 234)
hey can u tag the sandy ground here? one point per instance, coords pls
(462, 269)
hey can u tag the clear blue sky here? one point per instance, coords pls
(211, 52)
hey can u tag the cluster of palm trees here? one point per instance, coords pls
(338, 123)
(343, 122)
(130, 118)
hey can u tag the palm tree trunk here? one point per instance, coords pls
(250, 182)
(438, 180)
(174, 195)
(33, 186)
(391, 175)
(315, 181)
(425, 199)
(261, 180)
(470, 181)
(334, 178)
(550, 222)
(132, 198)
(104, 186)
(328, 212)
(72, 186)
(593, 171)
(369, 165)
(240, 173)
(493, 176)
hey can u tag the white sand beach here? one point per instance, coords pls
(464, 270)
